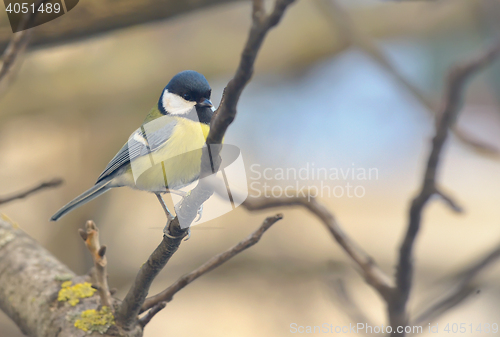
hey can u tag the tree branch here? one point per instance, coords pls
(91, 238)
(462, 289)
(127, 312)
(17, 44)
(368, 267)
(20, 195)
(452, 100)
(347, 303)
(210, 161)
(225, 114)
(143, 321)
(167, 295)
(338, 16)
(93, 17)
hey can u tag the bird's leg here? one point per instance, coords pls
(199, 212)
(170, 217)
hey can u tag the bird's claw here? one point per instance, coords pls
(199, 212)
(166, 232)
(188, 236)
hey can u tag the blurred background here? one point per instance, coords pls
(322, 95)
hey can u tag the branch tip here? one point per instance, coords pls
(83, 234)
(21, 195)
(91, 238)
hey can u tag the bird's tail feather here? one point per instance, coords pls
(83, 198)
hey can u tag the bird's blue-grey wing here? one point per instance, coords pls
(142, 142)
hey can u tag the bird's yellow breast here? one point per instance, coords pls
(173, 165)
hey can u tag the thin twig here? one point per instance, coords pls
(449, 201)
(461, 290)
(348, 305)
(339, 17)
(452, 100)
(368, 267)
(143, 321)
(20, 195)
(91, 237)
(214, 262)
(17, 44)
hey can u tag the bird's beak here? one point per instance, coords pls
(205, 103)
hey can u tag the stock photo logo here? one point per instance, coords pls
(229, 182)
(31, 13)
(310, 181)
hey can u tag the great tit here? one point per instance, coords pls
(164, 154)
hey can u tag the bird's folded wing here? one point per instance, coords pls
(143, 141)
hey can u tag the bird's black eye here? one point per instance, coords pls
(187, 97)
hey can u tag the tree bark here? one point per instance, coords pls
(30, 280)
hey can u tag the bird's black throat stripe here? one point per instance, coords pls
(200, 114)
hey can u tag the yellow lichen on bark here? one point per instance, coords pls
(73, 294)
(94, 320)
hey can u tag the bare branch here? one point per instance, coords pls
(341, 19)
(451, 300)
(449, 201)
(214, 262)
(368, 268)
(17, 44)
(348, 305)
(20, 195)
(225, 114)
(456, 82)
(210, 162)
(151, 313)
(91, 238)
(127, 312)
(15, 47)
(96, 17)
(462, 289)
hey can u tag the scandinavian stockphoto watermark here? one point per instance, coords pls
(310, 181)
(150, 161)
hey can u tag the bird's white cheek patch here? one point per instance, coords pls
(176, 105)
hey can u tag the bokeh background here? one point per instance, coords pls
(316, 100)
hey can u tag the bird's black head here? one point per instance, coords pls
(186, 90)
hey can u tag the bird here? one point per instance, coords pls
(164, 154)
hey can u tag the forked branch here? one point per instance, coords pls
(452, 101)
(225, 114)
(187, 211)
(91, 238)
(462, 288)
(167, 295)
(367, 266)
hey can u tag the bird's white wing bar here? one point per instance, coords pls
(140, 143)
